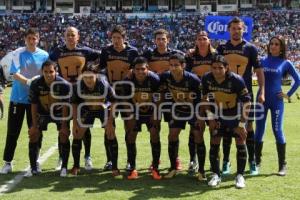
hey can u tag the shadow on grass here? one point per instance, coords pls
(98, 182)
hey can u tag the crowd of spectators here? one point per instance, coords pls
(94, 29)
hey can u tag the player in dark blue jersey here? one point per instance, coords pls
(93, 98)
(275, 67)
(71, 58)
(117, 60)
(47, 94)
(226, 91)
(185, 90)
(158, 60)
(145, 85)
(242, 59)
(199, 62)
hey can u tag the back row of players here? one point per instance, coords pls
(159, 72)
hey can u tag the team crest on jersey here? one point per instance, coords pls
(46, 100)
(201, 69)
(117, 70)
(71, 67)
(237, 63)
(159, 66)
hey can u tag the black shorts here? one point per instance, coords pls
(180, 123)
(44, 120)
(87, 117)
(148, 120)
(226, 129)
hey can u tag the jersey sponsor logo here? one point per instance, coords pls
(271, 70)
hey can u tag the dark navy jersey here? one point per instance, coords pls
(41, 94)
(227, 94)
(241, 59)
(71, 62)
(99, 98)
(188, 90)
(117, 64)
(143, 92)
(159, 63)
(199, 65)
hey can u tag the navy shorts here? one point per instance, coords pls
(87, 117)
(143, 120)
(44, 120)
(226, 128)
(180, 123)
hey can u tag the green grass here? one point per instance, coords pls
(99, 185)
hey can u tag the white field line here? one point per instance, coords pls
(9, 185)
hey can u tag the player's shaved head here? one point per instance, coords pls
(72, 29)
(71, 37)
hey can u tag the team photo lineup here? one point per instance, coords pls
(203, 88)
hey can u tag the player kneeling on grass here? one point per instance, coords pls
(143, 85)
(185, 90)
(47, 94)
(227, 93)
(93, 98)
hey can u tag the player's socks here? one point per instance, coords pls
(131, 148)
(226, 148)
(1, 109)
(40, 142)
(126, 142)
(258, 152)
(33, 154)
(106, 144)
(241, 157)
(59, 147)
(65, 152)
(201, 153)
(281, 149)
(173, 153)
(250, 146)
(87, 139)
(192, 147)
(113, 145)
(76, 148)
(156, 150)
(214, 158)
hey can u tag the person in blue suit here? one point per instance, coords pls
(275, 67)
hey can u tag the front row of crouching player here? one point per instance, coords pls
(215, 100)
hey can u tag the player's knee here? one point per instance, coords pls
(154, 136)
(198, 137)
(215, 140)
(280, 139)
(34, 137)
